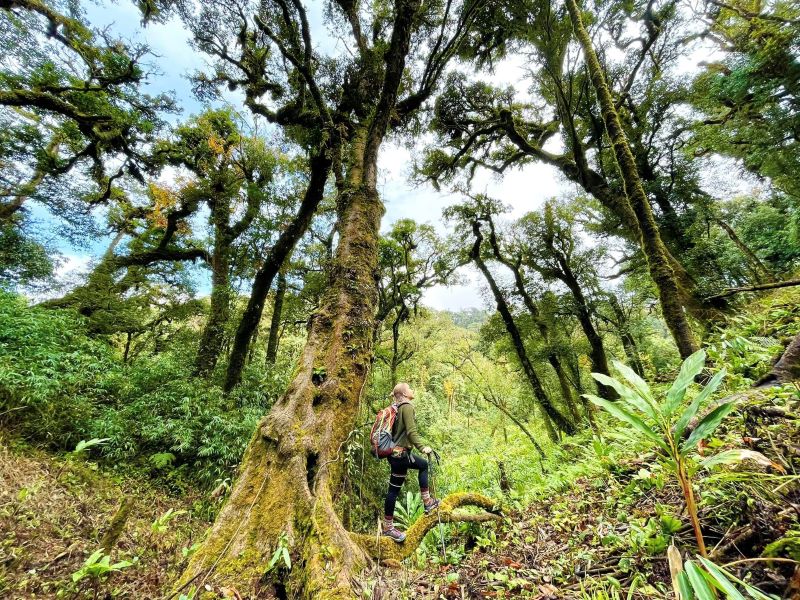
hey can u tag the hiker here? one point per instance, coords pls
(405, 437)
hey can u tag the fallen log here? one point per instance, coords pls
(382, 548)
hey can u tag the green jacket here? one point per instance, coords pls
(404, 431)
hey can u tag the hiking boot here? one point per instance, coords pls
(395, 534)
(430, 505)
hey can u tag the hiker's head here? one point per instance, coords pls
(402, 391)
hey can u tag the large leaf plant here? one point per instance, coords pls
(666, 424)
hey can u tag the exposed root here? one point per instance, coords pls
(384, 549)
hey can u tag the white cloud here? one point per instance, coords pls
(457, 297)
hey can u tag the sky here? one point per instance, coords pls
(523, 189)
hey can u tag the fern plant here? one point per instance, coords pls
(664, 424)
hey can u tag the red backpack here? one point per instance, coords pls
(381, 435)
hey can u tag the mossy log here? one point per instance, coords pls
(382, 548)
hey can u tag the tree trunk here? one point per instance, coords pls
(761, 272)
(502, 307)
(275, 321)
(219, 314)
(597, 185)
(787, 368)
(292, 468)
(320, 169)
(541, 324)
(660, 270)
(297, 447)
(628, 343)
(597, 351)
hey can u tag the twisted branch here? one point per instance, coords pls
(385, 549)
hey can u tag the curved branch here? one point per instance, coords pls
(385, 549)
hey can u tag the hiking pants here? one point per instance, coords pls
(400, 466)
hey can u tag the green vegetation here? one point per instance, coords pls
(614, 388)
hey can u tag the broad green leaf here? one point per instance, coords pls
(729, 457)
(698, 581)
(690, 368)
(720, 580)
(94, 557)
(684, 587)
(639, 384)
(286, 559)
(707, 426)
(623, 415)
(627, 394)
(692, 409)
(719, 572)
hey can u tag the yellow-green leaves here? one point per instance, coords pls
(707, 426)
(697, 580)
(628, 395)
(724, 582)
(737, 455)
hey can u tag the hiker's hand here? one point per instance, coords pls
(427, 450)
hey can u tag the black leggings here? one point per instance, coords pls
(400, 466)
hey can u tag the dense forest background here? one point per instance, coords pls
(601, 324)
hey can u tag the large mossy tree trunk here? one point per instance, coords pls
(661, 271)
(292, 468)
(539, 392)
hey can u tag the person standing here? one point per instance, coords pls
(406, 438)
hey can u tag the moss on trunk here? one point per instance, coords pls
(661, 271)
(292, 465)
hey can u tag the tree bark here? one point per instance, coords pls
(541, 324)
(321, 164)
(787, 368)
(275, 321)
(660, 270)
(539, 393)
(597, 351)
(292, 468)
(628, 343)
(597, 185)
(757, 288)
(761, 272)
(383, 548)
(219, 314)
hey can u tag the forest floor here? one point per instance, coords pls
(54, 512)
(597, 537)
